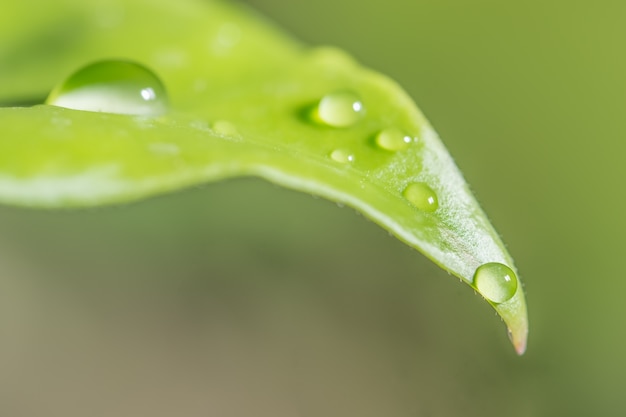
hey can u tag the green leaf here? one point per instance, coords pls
(242, 103)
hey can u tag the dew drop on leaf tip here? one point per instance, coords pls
(340, 109)
(495, 281)
(421, 196)
(112, 86)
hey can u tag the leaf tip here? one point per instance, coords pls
(519, 340)
(517, 327)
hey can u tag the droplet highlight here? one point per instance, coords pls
(392, 139)
(340, 109)
(342, 156)
(421, 196)
(112, 86)
(496, 282)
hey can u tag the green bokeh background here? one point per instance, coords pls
(241, 298)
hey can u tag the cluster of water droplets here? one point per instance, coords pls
(342, 109)
(127, 87)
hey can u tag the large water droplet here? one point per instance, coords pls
(393, 139)
(495, 281)
(112, 86)
(340, 109)
(421, 196)
(342, 155)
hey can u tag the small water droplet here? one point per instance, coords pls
(495, 281)
(421, 196)
(343, 156)
(393, 139)
(340, 109)
(112, 86)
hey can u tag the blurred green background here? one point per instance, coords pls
(241, 299)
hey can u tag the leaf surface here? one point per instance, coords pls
(242, 98)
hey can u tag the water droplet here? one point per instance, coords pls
(393, 139)
(343, 156)
(340, 109)
(421, 196)
(509, 333)
(112, 86)
(495, 281)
